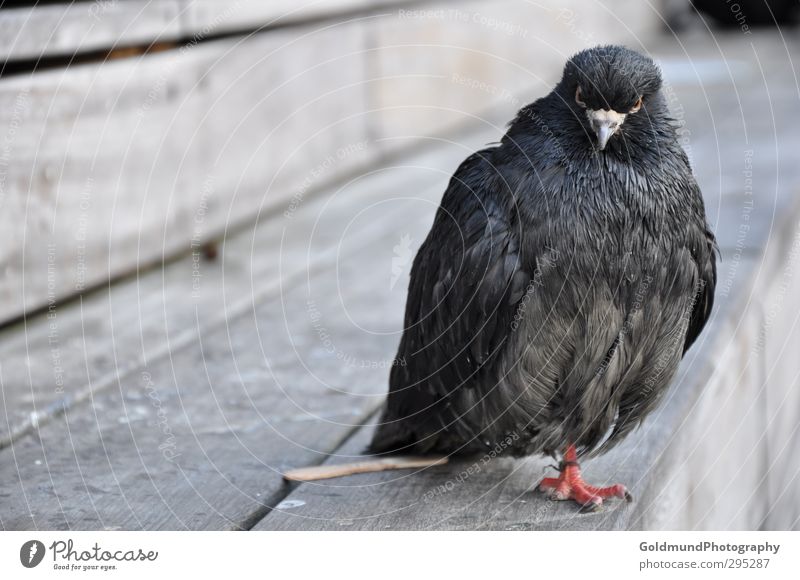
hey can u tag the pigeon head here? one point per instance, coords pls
(607, 86)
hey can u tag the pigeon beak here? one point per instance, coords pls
(604, 123)
(604, 133)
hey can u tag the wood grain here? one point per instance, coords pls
(115, 166)
(33, 32)
(70, 28)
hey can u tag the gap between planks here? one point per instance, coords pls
(188, 35)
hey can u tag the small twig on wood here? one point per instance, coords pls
(371, 466)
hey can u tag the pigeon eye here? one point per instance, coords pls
(578, 98)
(636, 106)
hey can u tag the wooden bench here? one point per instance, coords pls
(160, 389)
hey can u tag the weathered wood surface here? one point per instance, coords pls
(245, 15)
(113, 166)
(69, 28)
(777, 346)
(32, 32)
(230, 405)
(54, 360)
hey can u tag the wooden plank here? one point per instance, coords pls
(81, 347)
(284, 115)
(70, 28)
(29, 33)
(224, 16)
(231, 405)
(94, 152)
(778, 343)
(485, 492)
(111, 166)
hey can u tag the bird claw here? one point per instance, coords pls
(591, 508)
(570, 485)
(588, 497)
(552, 494)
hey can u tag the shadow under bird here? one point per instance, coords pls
(568, 270)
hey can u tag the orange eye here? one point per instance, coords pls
(578, 98)
(637, 106)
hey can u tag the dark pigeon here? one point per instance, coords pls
(568, 270)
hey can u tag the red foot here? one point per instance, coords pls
(570, 485)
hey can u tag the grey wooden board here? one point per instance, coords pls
(76, 27)
(116, 165)
(200, 448)
(468, 494)
(225, 16)
(236, 408)
(280, 121)
(779, 342)
(64, 29)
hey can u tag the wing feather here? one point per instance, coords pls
(466, 283)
